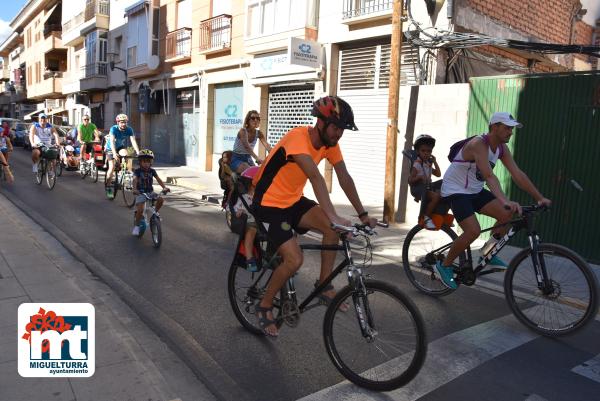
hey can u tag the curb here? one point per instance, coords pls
(218, 382)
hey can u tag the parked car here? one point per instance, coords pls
(21, 132)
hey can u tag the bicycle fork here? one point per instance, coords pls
(544, 283)
(361, 303)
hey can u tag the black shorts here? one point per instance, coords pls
(466, 205)
(418, 190)
(87, 147)
(282, 221)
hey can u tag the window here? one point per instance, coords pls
(117, 48)
(155, 30)
(38, 72)
(184, 14)
(90, 48)
(28, 38)
(131, 57)
(265, 17)
(29, 75)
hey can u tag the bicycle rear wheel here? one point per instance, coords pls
(246, 290)
(392, 354)
(127, 188)
(566, 306)
(418, 258)
(155, 230)
(59, 168)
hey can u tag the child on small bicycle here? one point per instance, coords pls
(143, 177)
(240, 209)
(420, 177)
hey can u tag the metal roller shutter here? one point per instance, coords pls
(289, 107)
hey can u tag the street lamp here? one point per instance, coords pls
(112, 66)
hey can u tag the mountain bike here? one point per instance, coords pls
(379, 343)
(548, 287)
(44, 170)
(154, 220)
(123, 180)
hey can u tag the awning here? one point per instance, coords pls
(28, 116)
(48, 14)
(135, 7)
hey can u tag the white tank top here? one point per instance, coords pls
(463, 177)
(43, 135)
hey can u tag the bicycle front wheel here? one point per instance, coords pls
(246, 289)
(50, 176)
(566, 304)
(39, 176)
(94, 172)
(156, 231)
(391, 351)
(127, 188)
(419, 258)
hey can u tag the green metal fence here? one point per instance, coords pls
(558, 148)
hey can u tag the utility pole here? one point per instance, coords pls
(392, 128)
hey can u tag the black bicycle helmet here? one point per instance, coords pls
(424, 139)
(334, 110)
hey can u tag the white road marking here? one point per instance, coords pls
(589, 369)
(535, 397)
(447, 358)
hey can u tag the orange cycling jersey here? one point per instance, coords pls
(280, 182)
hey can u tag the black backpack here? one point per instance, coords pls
(457, 146)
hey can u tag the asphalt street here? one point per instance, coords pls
(478, 350)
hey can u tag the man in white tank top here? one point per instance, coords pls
(463, 188)
(42, 136)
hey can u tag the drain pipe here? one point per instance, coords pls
(450, 9)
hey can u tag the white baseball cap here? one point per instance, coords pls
(505, 118)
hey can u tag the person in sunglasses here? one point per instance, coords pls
(243, 147)
(87, 133)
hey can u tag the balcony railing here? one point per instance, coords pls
(357, 8)
(74, 22)
(215, 33)
(52, 74)
(94, 7)
(94, 70)
(179, 44)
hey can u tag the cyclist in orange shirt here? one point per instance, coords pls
(278, 197)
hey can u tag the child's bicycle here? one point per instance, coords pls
(154, 221)
(548, 287)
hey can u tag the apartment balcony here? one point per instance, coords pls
(179, 45)
(94, 16)
(53, 42)
(360, 11)
(215, 34)
(18, 93)
(50, 87)
(70, 30)
(94, 77)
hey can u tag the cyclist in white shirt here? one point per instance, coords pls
(41, 136)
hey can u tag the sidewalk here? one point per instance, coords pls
(132, 363)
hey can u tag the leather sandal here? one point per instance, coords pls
(326, 301)
(264, 321)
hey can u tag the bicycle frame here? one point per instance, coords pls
(526, 221)
(354, 274)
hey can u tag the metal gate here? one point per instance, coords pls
(557, 148)
(289, 107)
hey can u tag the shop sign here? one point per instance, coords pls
(304, 52)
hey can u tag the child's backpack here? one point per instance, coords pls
(457, 146)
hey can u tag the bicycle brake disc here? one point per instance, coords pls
(290, 313)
